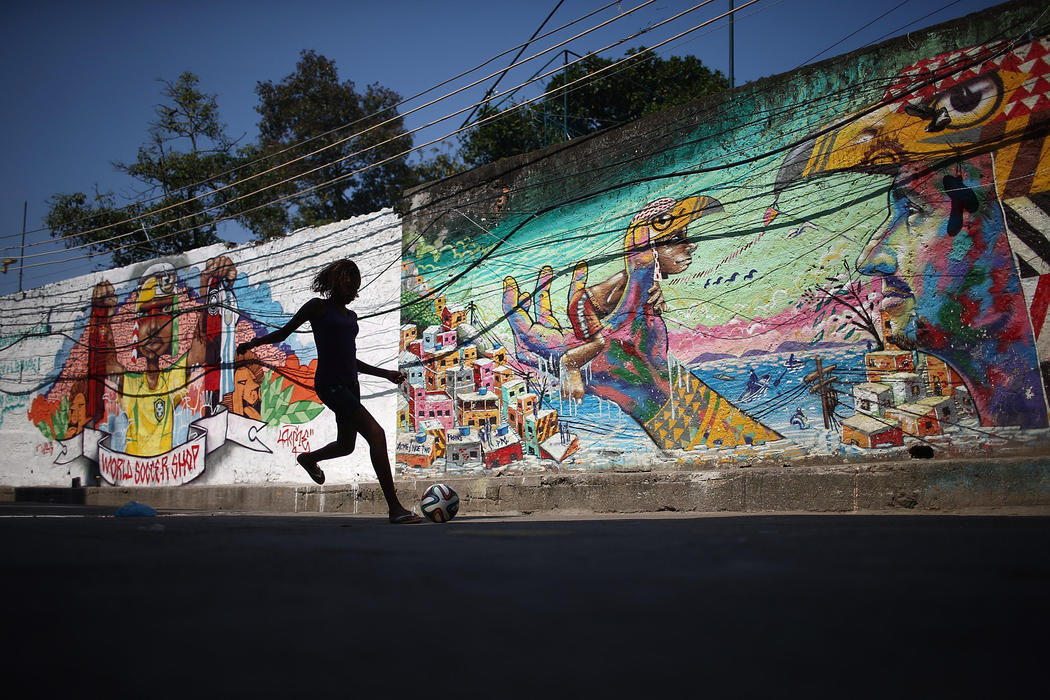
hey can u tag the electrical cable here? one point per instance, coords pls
(345, 176)
(402, 102)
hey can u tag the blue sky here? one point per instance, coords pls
(80, 79)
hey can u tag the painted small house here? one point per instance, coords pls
(539, 428)
(412, 367)
(404, 418)
(941, 379)
(459, 380)
(497, 353)
(872, 399)
(501, 447)
(409, 332)
(524, 405)
(916, 419)
(464, 446)
(437, 430)
(869, 432)
(509, 393)
(453, 315)
(884, 362)
(943, 408)
(907, 386)
(478, 409)
(502, 373)
(425, 405)
(484, 374)
(415, 450)
(438, 340)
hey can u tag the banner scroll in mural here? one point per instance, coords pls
(179, 465)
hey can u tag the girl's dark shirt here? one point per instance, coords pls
(335, 335)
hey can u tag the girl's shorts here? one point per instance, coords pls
(342, 399)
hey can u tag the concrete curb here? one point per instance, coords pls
(939, 485)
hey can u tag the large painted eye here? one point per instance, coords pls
(970, 102)
(662, 221)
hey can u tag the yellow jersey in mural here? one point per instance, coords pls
(151, 411)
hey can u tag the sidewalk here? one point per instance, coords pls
(918, 485)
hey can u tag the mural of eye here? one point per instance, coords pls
(662, 222)
(970, 102)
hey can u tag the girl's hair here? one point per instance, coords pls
(340, 272)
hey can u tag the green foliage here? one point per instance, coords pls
(333, 132)
(437, 166)
(614, 96)
(327, 151)
(302, 412)
(45, 428)
(55, 427)
(276, 406)
(177, 166)
(418, 310)
(273, 400)
(516, 131)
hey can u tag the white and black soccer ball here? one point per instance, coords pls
(439, 503)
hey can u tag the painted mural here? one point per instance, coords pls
(151, 385)
(853, 267)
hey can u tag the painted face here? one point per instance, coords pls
(246, 386)
(155, 327)
(78, 411)
(674, 253)
(948, 280)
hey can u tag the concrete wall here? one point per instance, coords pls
(79, 398)
(709, 284)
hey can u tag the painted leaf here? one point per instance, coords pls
(302, 412)
(60, 419)
(270, 404)
(46, 430)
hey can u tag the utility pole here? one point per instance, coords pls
(565, 95)
(825, 386)
(22, 253)
(732, 14)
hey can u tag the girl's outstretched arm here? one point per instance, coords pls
(308, 312)
(392, 375)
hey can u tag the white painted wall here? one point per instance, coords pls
(38, 329)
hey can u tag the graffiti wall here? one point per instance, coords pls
(845, 262)
(131, 376)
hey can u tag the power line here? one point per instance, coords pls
(395, 106)
(345, 176)
(678, 173)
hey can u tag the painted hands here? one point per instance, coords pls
(542, 339)
(619, 330)
(219, 269)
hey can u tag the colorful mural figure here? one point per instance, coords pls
(150, 388)
(618, 327)
(963, 256)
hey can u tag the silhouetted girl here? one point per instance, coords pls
(335, 334)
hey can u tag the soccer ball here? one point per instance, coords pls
(439, 503)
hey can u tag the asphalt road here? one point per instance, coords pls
(299, 606)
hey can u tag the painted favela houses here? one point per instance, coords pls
(840, 263)
(131, 377)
